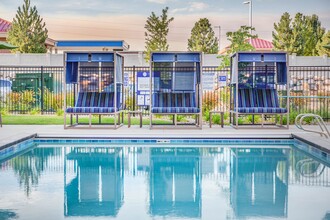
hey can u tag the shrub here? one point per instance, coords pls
(59, 112)
(181, 118)
(129, 103)
(51, 100)
(22, 101)
(35, 111)
(210, 100)
(216, 119)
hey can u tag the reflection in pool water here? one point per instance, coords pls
(97, 188)
(132, 182)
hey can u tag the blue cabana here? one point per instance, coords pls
(175, 85)
(93, 85)
(256, 80)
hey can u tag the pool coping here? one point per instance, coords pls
(302, 137)
(311, 143)
(6, 145)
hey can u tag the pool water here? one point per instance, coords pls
(106, 181)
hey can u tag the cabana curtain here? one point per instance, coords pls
(119, 70)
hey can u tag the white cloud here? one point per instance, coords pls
(197, 6)
(192, 7)
(158, 1)
(176, 10)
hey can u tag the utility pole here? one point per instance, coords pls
(250, 13)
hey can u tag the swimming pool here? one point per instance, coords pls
(164, 179)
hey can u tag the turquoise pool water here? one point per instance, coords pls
(164, 179)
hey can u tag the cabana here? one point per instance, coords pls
(256, 79)
(175, 85)
(93, 86)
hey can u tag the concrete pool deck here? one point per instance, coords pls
(12, 133)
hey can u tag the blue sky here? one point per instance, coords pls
(125, 19)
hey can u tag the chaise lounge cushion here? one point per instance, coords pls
(246, 98)
(91, 110)
(174, 103)
(94, 102)
(87, 99)
(175, 110)
(258, 101)
(261, 110)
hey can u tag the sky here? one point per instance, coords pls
(125, 19)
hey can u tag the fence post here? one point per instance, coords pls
(42, 90)
(134, 92)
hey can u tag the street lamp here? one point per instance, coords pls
(219, 34)
(250, 13)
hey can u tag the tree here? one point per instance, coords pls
(313, 35)
(202, 38)
(239, 41)
(157, 28)
(28, 31)
(283, 33)
(299, 36)
(298, 30)
(323, 42)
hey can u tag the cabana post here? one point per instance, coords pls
(175, 86)
(256, 79)
(93, 86)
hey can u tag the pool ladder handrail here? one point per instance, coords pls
(324, 130)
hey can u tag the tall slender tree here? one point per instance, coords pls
(324, 42)
(28, 31)
(157, 28)
(203, 38)
(283, 33)
(313, 34)
(298, 29)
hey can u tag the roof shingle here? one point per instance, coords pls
(4, 25)
(261, 44)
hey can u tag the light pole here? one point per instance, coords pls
(219, 33)
(250, 13)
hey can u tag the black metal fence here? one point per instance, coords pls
(40, 90)
(31, 89)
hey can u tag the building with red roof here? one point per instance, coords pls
(259, 44)
(4, 28)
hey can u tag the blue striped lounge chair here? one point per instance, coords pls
(167, 103)
(259, 101)
(94, 103)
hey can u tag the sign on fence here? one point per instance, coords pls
(143, 88)
(126, 79)
(222, 81)
(208, 81)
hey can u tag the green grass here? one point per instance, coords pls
(32, 120)
(58, 120)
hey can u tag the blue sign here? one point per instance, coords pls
(222, 78)
(222, 81)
